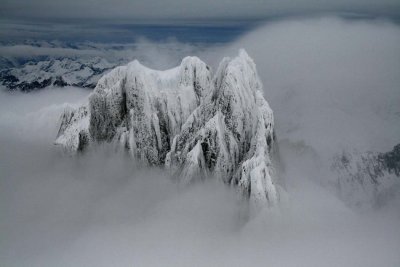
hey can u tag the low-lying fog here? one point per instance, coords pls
(332, 84)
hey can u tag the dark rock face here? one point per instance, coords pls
(59, 82)
(390, 161)
(27, 87)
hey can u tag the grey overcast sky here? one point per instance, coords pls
(187, 9)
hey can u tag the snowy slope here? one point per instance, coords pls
(368, 179)
(195, 125)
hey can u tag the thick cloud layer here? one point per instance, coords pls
(179, 9)
(330, 83)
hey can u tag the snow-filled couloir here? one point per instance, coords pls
(193, 123)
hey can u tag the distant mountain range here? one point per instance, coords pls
(56, 72)
(31, 66)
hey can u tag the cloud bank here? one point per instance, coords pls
(331, 82)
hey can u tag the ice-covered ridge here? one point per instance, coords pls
(195, 125)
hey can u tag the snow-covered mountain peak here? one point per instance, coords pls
(194, 124)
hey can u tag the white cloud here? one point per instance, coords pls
(332, 83)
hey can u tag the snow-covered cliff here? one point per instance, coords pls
(194, 124)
